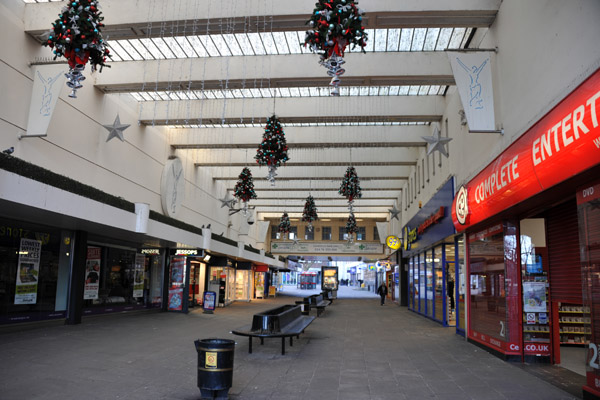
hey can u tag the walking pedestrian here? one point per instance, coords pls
(382, 291)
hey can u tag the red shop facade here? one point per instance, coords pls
(532, 223)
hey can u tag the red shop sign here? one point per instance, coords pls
(539, 349)
(564, 143)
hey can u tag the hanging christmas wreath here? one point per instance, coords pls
(76, 35)
(335, 24)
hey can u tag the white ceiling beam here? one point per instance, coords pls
(374, 69)
(316, 172)
(335, 134)
(127, 19)
(393, 108)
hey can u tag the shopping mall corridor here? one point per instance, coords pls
(357, 349)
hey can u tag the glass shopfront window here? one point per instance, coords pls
(462, 285)
(438, 278)
(494, 295)
(429, 277)
(449, 259)
(34, 271)
(422, 284)
(411, 285)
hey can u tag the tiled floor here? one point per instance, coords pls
(355, 350)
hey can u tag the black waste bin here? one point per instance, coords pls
(215, 367)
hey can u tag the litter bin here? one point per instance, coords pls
(215, 367)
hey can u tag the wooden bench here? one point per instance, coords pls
(284, 321)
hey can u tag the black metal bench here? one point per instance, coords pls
(284, 321)
(317, 301)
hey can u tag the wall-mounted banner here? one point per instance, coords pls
(92, 273)
(473, 76)
(28, 271)
(327, 248)
(48, 81)
(564, 143)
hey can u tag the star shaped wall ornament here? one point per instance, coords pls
(116, 129)
(295, 242)
(394, 211)
(436, 142)
(227, 201)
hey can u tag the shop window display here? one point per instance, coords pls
(438, 279)
(411, 285)
(462, 286)
(422, 284)
(29, 272)
(429, 280)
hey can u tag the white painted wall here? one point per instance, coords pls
(76, 143)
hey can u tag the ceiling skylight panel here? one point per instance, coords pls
(237, 93)
(442, 90)
(384, 91)
(280, 42)
(373, 91)
(371, 40)
(364, 91)
(268, 42)
(418, 39)
(256, 92)
(137, 96)
(146, 96)
(403, 90)
(209, 94)
(394, 90)
(149, 44)
(163, 47)
(463, 43)
(456, 38)
(185, 45)
(444, 39)
(116, 48)
(256, 43)
(406, 36)
(228, 94)
(115, 54)
(431, 39)
(413, 90)
(380, 39)
(354, 91)
(393, 39)
(265, 92)
(293, 42)
(175, 96)
(209, 45)
(314, 92)
(304, 92)
(234, 47)
(221, 45)
(423, 90)
(218, 94)
(304, 49)
(245, 45)
(197, 46)
(295, 92)
(131, 50)
(434, 89)
(175, 47)
(285, 92)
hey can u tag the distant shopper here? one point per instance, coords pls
(382, 291)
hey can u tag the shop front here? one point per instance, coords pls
(186, 279)
(223, 280)
(243, 281)
(260, 281)
(531, 219)
(435, 262)
(119, 278)
(34, 271)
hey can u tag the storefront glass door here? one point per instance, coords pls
(429, 277)
(438, 280)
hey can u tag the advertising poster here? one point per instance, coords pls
(209, 301)
(92, 273)
(534, 296)
(139, 275)
(176, 299)
(28, 271)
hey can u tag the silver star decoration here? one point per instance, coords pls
(227, 201)
(436, 142)
(116, 129)
(295, 242)
(394, 211)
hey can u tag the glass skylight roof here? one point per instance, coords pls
(304, 124)
(413, 90)
(40, 1)
(281, 43)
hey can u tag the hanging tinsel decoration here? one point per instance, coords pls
(284, 224)
(350, 187)
(335, 24)
(244, 189)
(76, 36)
(351, 227)
(310, 212)
(272, 151)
